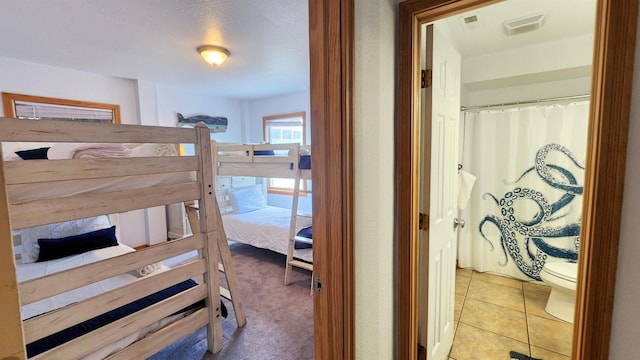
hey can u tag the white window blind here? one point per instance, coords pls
(31, 110)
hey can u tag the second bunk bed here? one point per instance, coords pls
(246, 216)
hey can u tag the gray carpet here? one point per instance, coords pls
(279, 318)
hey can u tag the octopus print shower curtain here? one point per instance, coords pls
(525, 206)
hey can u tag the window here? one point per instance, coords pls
(284, 129)
(38, 107)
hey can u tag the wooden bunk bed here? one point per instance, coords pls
(291, 161)
(91, 187)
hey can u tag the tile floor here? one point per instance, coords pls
(495, 315)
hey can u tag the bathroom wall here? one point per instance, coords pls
(528, 73)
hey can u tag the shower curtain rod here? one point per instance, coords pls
(525, 102)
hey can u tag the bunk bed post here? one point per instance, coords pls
(208, 227)
(292, 229)
(12, 339)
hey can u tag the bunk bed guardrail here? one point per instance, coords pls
(19, 213)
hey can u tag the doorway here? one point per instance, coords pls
(606, 154)
(523, 136)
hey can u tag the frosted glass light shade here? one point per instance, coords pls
(214, 55)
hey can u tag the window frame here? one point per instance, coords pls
(9, 104)
(265, 119)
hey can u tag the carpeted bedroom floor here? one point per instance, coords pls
(279, 318)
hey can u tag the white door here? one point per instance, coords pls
(439, 177)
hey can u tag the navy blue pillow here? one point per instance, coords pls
(263, 152)
(305, 233)
(33, 154)
(76, 244)
(305, 162)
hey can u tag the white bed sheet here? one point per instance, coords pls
(30, 271)
(266, 228)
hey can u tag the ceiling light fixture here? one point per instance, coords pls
(214, 55)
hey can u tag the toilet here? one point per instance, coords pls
(561, 276)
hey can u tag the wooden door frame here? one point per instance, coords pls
(331, 28)
(613, 63)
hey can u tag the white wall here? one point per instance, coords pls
(174, 100)
(374, 112)
(626, 313)
(552, 69)
(43, 80)
(277, 105)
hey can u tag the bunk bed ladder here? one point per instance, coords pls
(293, 237)
(230, 293)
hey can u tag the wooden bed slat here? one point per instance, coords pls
(40, 288)
(14, 130)
(108, 334)
(39, 171)
(238, 171)
(160, 339)
(60, 319)
(86, 205)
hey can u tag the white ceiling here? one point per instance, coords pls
(563, 19)
(156, 40)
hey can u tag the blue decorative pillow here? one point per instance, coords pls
(76, 244)
(263, 152)
(33, 154)
(305, 233)
(305, 162)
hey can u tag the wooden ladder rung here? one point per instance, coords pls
(303, 240)
(225, 293)
(301, 264)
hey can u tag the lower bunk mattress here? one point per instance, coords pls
(34, 270)
(266, 228)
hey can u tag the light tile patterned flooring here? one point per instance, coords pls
(495, 315)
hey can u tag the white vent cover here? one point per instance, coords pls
(524, 24)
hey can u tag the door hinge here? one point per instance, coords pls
(423, 221)
(317, 284)
(425, 78)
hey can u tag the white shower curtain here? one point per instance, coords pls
(525, 206)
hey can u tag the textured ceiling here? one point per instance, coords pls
(156, 40)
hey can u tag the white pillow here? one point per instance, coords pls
(30, 236)
(247, 199)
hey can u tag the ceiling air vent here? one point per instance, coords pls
(524, 24)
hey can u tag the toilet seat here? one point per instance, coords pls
(563, 270)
